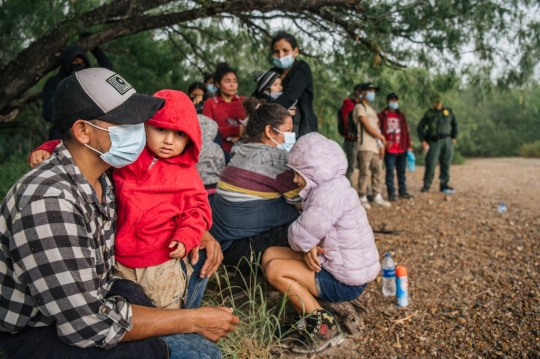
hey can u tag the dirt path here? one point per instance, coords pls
(474, 274)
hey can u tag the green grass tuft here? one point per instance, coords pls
(11, 171)
(261, 317)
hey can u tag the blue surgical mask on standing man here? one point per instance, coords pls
(370, 96)
(393, 105)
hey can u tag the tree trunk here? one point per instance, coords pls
(125, 17)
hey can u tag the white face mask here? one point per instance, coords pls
(127, 143)
(275, 95)
(290, 139)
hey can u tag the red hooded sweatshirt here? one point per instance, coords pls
(160, 200)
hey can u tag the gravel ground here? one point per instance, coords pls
(474, 279)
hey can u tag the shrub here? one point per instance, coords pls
(531, 150)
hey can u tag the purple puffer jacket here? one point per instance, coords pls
(333, 217)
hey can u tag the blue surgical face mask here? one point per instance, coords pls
(290, 139)
(284, 62)
(127, 143)
(370, 96)
(393, 105)
(275, 95)
(212, 88)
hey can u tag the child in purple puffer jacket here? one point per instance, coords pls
(333, 254)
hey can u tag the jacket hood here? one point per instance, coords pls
(71, 52)
(317, 159)
(209, 128)
(178, 113)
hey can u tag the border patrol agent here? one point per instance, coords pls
(438, 130)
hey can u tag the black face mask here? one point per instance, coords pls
(77, 67)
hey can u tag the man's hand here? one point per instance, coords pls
(292, 111)
(454, 141)
(214, 255)
(381, 152)
(179, 252)
(198, 99)
(389, 144)
(37, 157)
(425, 146)
(312, 260)
(214, 323)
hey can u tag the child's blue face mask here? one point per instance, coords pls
(290, 140)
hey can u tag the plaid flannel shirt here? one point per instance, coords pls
(57, 258)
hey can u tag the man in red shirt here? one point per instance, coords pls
(398, 142)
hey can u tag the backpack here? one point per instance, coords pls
(349, 131)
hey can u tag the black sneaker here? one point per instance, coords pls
(392, 198)
(447, 189)
(424, 189)
(321, 330)
(406, 195)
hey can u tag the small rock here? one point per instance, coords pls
(430, 202)
(462, 321)
(519, 248)
(504, 347)
(447, 198)
(397, 345)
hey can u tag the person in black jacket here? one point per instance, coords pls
(297, 83)
(74, 58)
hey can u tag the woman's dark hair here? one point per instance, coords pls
(194, 86)
(207, 77)
(222, 70)
(283, 35)
(262, 114)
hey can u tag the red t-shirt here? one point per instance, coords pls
(393, 134)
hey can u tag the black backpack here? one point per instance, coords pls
(351, 132)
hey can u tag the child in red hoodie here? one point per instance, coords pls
(162, 206)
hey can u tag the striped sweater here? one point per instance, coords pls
(255, 193)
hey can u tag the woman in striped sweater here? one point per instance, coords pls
(256, 196)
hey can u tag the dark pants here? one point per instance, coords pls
(351, 152)
(244, 252)
(43, 342)
(395, 161)
(441, 150)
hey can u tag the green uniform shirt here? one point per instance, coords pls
(437, 124)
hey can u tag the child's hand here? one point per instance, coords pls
(179, 252)
(37, 157)
(312, 260)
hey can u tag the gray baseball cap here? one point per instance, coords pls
(100, 93)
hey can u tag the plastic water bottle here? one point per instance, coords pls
(502, 208)
(402, 284)
(389, 276)
(411, 161)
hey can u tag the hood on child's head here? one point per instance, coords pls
(178, 113)
(317, 159)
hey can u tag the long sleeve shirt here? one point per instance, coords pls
(57, 256)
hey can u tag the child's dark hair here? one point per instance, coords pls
(194, 86)
(262, 114)
(207, 77)
(222, 70)
(283, 35)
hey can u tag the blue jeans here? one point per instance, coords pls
(395, 161)
(188, 346)
(196, 285)
(332, 290)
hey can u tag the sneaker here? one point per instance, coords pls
(424, 189)
(379, 201)
(392, 198)
(321, 330)
(364, 202)
(447, 189)
(406, 195)
(369, 197)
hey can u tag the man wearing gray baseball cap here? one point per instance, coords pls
(57, 229)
